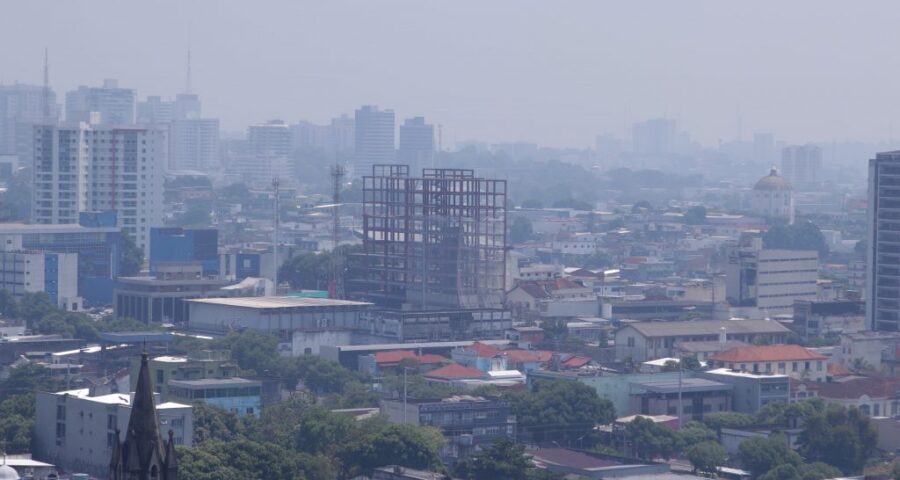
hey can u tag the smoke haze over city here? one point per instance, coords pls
(552, 73)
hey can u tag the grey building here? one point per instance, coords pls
(416, 142)
(271, 138)
(161, 298)
(115, 105)
(301, 324)
(374, 139)
(467, 422)
(22, 107)
(688, 398)
(801, 164)
(77, 431)
(194, 144)
(883, 242)
(751, 390)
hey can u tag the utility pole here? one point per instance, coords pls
(337, 177)
(275, 239)
(404, 394)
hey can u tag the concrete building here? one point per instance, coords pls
(301, 324)
(93, 168)
(77, 431)
(271, 138)
(155, 111)
(55, 274)
(260, 169)
(195, 366)
(768, 282)
(873, 396)
(751, 391)
(95, 241)
(237, 395)
(179, 245)
(813, 319)
(794, 361)
(651, 340)
(868, 350)
(653, 137)
(688, 399)
(802, 164)
(467, 422)
(374, 139)
(883, 243)
(114, 105)
(194, 144)
(773, 197)
(161, 298)
(22, 107)
(416, 143)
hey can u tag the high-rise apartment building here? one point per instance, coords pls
(21, 107)
(114, 105)
(653, 137)
(374, 132)
(271, 138)
(335, 138)
(85, 167)
(801, 164)
(883, 242)
(416, 143)
(154, 111)
(194, 144)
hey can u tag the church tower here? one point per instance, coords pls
(143, 455)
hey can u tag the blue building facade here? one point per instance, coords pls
(96, 240)
(179, 245)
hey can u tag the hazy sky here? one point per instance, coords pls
(551, 72)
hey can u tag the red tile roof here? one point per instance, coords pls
(455, 371)
(395, 356)
(767, 353)
(838, 370)
(522, 356)
(576, 361)
(853, 388)
(484, 350)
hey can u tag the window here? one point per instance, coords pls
(631, 341)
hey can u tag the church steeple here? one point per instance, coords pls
(143, 455)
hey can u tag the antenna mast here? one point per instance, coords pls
(275, 238)
(45, 94)
(337, 178)
(187, 83)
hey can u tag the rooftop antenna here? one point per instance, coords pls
(275, 184)
(337, 179)
(45, 94)
(187, 82)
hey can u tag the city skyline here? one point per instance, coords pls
(717, 79)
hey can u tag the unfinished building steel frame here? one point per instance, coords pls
(432, 242)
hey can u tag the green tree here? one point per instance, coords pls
(695, 215)
(502, 460)
(706, 456)
(520, 230)
(405, 445)
(696, 432)
(213, 423)
(818, 471)
(254, 352)
(8, 306)
(131, 258)
(759, 455)
(649, 439)
(719, 420)
(560, 410)
(35, 305)
(841, 437)
(238, 459)
(321, 431)
(798, 236)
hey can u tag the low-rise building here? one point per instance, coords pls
(868, 350)
(56, 274)
(237, 395)
(469, 423)
(873, 396)
(687, 398)
(649, 340)
(77, 431)
(582, 464)
(162, 298)
(194, 366)
(813, 319)
(751, 391)
(794, 361)
(302, 324)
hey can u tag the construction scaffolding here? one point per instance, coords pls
(437, 241)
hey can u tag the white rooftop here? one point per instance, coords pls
(277, 302)
(734, 373)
